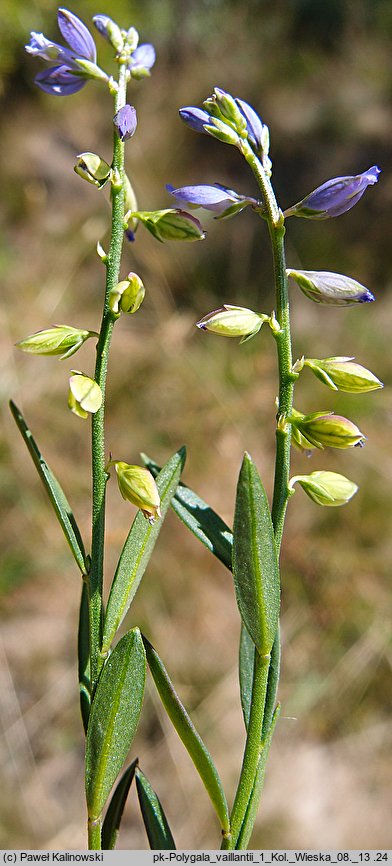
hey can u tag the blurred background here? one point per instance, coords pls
(319, 72)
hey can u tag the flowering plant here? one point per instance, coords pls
(112, 670)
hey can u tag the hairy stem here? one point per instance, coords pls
(252, 750)
(94, 835)
(99, 475)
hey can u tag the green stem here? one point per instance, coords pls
(252, 750)
(286, 387)
(94, 835)
(251, 812)
(241, 834)
(95, 582)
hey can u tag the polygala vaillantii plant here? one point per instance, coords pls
(112, 671)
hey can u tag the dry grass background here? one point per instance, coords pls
(320, 74)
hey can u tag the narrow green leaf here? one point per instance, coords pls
(202, 520)
(84, 657)
(188, 734)
(111, 824)
(137, 551)
(272, 686)
(56, 494)
(155, 821)
(246, 666)
(114, 718)
(255, 564)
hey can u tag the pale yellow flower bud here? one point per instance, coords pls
(342, 374)
(93, 168)
(324, 429)
(63, 340)
(127, 296)
(138, 486)
(85, 395)
(326, 488)
(232, 321)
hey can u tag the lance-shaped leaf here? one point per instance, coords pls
(202, 520)
(84, 657)
(56, 494)
(246, 667)
(137, 550)
(188, 734)
(114, 718)
(111, 824)
(255, 564)
(155, 821)
(270, 705)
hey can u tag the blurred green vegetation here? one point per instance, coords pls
(319, 73)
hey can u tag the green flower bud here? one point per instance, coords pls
(326, 488)
(171, 224)
(93, 168)
(88, 69)
(132, 38)
(341, 374)
(321, 429)
(222, 131)
(60, 340)
(84, 396)
(130, 205)
(138, 486)
(127, 296)
(232, 321)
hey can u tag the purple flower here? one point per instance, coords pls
(196, 118)
(63, 80)
(59, 81)
(142, 60)
(125, 122)
(76, 34)
(334, 197)
(256, 130)
(220, 199)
